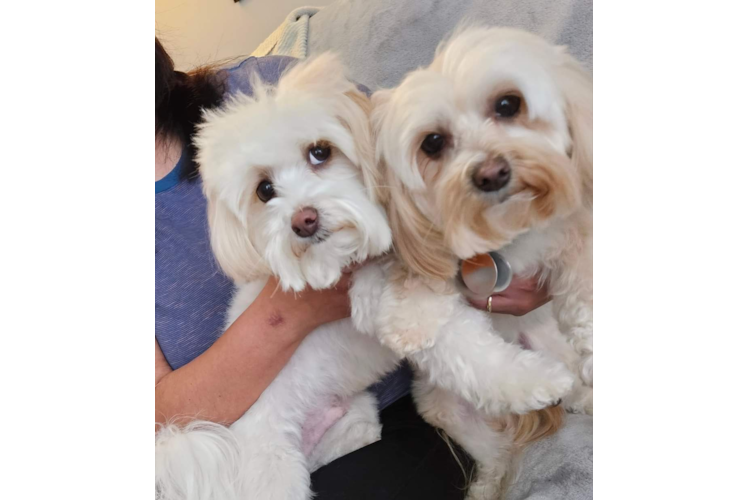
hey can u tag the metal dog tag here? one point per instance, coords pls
(485, 274)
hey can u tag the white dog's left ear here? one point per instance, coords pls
(358, 121)
(231, 245)
(577, 87)
(321, 74)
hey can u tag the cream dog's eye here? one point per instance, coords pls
(319, 154)
(507, 106)
(265, 191)
(433, 144)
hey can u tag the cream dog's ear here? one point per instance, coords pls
(357, 118)
(417, 242)
(576, 83)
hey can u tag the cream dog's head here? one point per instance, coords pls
(492, 139)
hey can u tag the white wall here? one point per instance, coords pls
(196, 32)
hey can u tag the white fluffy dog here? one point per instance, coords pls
(490, 148)
(284, 174)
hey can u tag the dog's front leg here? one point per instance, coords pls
(467, 357)
(574, 316)
(411, 314)
(366, 294)
(571, 289)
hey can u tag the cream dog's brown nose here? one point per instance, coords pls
(492, 175)
(305, 222)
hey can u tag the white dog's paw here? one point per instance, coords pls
(366, 433)
(539, 383)
(359, 427)
(364, 427)
(355, 436)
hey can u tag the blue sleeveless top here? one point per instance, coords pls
(192, 293)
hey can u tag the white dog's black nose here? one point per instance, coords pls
(492, 175)
(305, 222)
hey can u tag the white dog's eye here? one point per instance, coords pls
(433, 144)
(319, 154)
(265, 191)
(507, 106)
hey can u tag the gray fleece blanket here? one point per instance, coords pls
(558, 467)
(381, 40)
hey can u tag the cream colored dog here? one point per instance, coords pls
(489, 148)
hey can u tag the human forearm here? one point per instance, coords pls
(222, 383)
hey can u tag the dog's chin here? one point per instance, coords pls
(345, 238)
(496, 198)
(319, 262)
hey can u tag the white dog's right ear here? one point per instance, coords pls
(231, 245)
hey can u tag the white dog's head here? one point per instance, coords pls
(290, 180)
(492, 139)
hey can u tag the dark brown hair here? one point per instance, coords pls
(180, 99)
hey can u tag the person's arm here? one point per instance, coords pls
(223, 382)
(521, 297)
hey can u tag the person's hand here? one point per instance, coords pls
(523, 296)
(310, 308)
